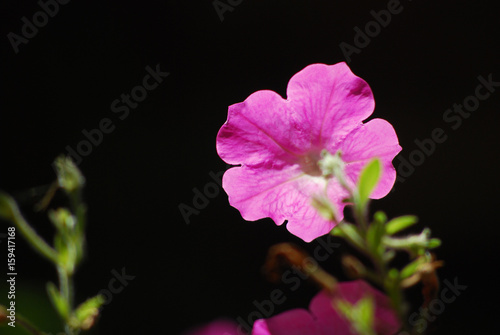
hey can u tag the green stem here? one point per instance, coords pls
(65, 287)
(66, 291)
(36, 241)
(391, 286)
(360, 214)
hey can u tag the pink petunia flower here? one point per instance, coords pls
(278, 144)
(322, 318)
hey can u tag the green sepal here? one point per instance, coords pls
(400, 223)
(361, 315)
(368, 180)
(58, 301)
(85, 314)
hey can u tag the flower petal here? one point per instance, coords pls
(328, 321)
(386, 321)
(307, 223)
(323, 319)
(281, 194)
(376, 138)
(262, 129)
(218, 327)
(331, 101)
(294, 322)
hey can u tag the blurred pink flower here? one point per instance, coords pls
(219, 327)
(322, 319)
(278, 143)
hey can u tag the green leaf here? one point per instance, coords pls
(411, 268)
(393, 274)
(434, 243)
(380, 216)
(58, 301)
(400, 223)
(368, 180)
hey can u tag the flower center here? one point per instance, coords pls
(321, 164)
(309, 164)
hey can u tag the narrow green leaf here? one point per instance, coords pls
(400, 223)
(434, 243)
(368, 180)
(411, 268)
(58, 301)
(366, 313)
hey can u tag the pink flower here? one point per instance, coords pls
(278, 143)
(322, 319)
(219, 327)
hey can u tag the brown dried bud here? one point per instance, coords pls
(353, 267)
(285, 255)
(3, 315)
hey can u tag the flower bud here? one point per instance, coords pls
(69, 176)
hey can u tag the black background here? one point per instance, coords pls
(64, 80)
